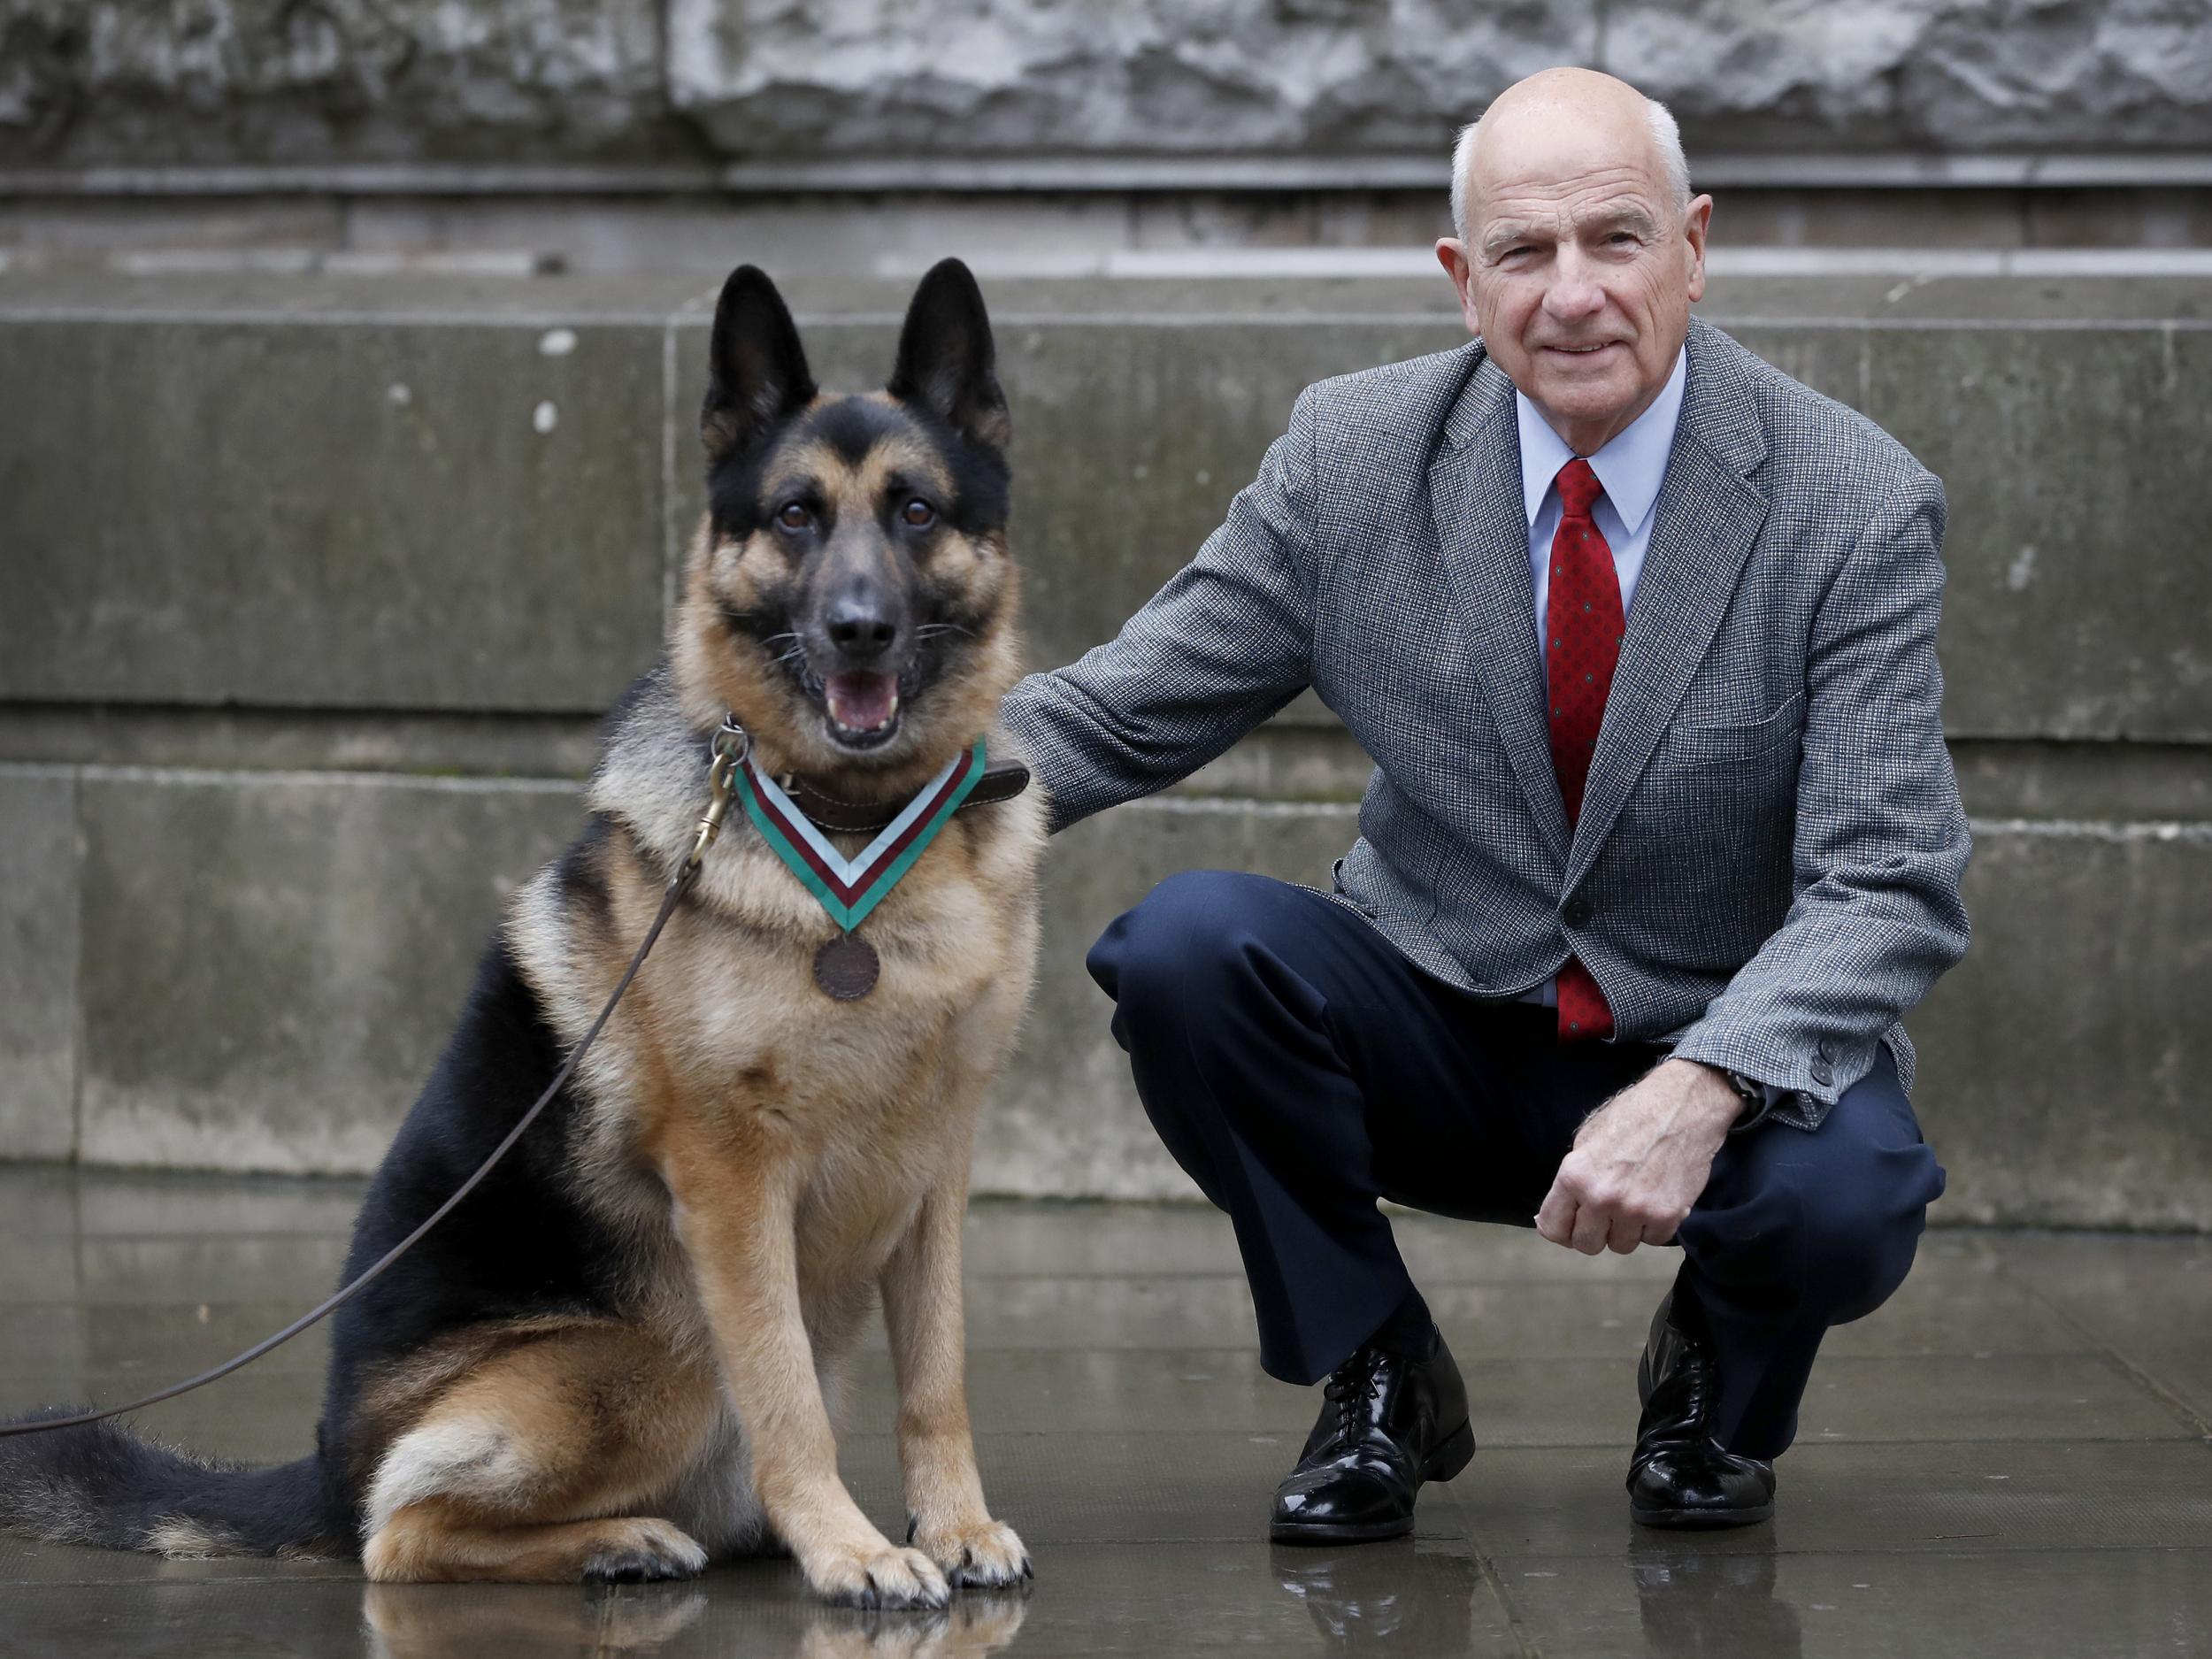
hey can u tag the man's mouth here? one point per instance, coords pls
(1583, 351)
(864, 706)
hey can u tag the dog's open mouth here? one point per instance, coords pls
(863, 706)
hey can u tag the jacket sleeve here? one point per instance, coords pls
(1224, 644)
(1881, 839)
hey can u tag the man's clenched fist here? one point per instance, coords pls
(1640, 1160)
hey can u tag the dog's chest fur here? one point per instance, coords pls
(726, 1040)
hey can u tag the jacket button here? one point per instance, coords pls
(1827, 1048)
(1579, 912)
(1824, 1073)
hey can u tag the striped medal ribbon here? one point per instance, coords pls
(849, 888)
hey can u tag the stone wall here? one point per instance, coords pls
(311, 591)
(271, 81)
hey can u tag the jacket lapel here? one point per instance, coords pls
(1708, 517)
(1482, 540)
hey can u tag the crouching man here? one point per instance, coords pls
(1661, 839)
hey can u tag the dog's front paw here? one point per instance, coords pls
(984, 1554)
(877, 1576)
(641, 1551)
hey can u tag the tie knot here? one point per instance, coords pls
(1578, 488)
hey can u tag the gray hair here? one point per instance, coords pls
(1666, 138)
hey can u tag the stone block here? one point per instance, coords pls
(330, 511)
(1065, 1118)
(2062, 1062)
(2076, 601)
(1832, 361)
(1248, 76)
(93, 81)
(38, 963)
(224, 80)
(271, 962)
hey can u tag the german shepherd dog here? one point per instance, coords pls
(622, 1355)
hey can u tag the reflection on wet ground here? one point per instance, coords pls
(2014, 1456)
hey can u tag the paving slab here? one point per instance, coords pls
(177, 1339)
(1991, 1465)
(1671, 1601)
(1974, 1494)
(2153, 1312)
(134, 1203)
(1424, 1597)
(100, 1272)
(2069, 1397)
(1561, 1319)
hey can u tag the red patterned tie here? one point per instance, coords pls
(1583, 626)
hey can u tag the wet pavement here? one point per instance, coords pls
(2014, 1457)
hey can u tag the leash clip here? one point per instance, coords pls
(732, 746)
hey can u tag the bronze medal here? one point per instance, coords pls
(846, 967)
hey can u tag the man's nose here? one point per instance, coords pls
(1573, 293)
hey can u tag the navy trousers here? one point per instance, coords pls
(1298, 1066)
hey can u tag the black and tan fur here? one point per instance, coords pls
(622, 1355)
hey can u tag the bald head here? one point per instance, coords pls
(1578, 249)
(1582, 102)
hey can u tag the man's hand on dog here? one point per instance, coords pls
(1640, 1160)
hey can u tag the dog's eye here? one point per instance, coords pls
(920, 514)
(793, 516)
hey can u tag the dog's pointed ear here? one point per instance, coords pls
(946, 363)
(756, 374)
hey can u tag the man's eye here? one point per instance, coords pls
(793, 516)
(920, 514)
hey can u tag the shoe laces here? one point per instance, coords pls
(1352, 1385)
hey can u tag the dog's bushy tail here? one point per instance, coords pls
(107, 1485)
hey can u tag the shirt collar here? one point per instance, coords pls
(1630, 466)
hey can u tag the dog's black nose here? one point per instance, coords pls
(861, 629)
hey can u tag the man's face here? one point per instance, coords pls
(1579, 271)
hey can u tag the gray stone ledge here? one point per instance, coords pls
(261, 966)
(1837, 170)
(1303, 755)
(1983, 297)
(391, 423)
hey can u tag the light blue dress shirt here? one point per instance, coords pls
(1631, 466)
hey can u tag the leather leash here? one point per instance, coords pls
(731, 744)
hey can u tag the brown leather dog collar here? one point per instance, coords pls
(1002, 780)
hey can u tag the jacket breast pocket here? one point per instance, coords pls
(1771, 736)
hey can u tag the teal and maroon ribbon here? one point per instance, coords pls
(849, 888)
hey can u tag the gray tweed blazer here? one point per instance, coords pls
(1765, 873)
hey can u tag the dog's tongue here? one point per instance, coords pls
(860, 701)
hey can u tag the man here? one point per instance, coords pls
(1638, 895)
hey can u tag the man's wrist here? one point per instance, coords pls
(1743, 1101)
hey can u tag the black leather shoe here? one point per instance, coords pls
(1680, 1475)
(1387, 1424)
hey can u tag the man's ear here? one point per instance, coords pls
(756, 374)
(1696, 221)
(946, 363)
(1458, 264)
